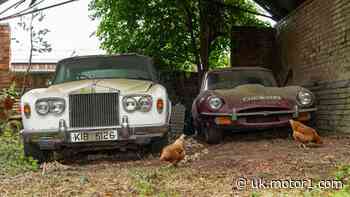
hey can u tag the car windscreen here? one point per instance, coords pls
(103, 68)
(234, 78)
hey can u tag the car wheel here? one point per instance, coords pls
(32, 150)
(159, 143)
(212, 135)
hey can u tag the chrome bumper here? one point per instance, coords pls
(55, 138)
(295, 112)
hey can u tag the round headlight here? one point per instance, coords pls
(215, 102)
(130, 104)
(305, 98)
(42, 107)
(145, 103)
(57, 106)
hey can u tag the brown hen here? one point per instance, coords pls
(304, 134)
(175, 152)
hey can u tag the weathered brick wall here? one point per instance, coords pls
(4, 46)
(253, 46)
(314, 46)
(4, 55)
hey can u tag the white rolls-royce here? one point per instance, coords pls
(96, 102)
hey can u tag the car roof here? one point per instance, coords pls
(101, 56)
(147, 61)
(239, 68)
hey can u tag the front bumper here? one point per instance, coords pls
(57, 139)
(239, 120)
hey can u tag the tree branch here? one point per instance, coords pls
(34, 11)
(12, 6)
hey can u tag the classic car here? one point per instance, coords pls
(96, 102)
(247, 98)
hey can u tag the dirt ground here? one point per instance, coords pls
(208, 170)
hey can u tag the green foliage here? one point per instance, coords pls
(161, 29)
(10, 92)
(7, 99)
(149, 182)
(12, 159)
(343, 174)
(255, 194)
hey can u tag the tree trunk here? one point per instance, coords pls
(211, 26)
(190, 27)
(204, 36)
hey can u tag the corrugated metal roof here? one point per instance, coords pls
(279, 8)
(35, 68)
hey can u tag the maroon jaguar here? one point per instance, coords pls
(247, 98)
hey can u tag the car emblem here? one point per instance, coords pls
(261, 98)
(93, 88)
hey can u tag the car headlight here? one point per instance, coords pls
(42, 107)
(50, 105)
(305, 98)
(145, 103)
(215, 102)
(130, 104)
(57, 106)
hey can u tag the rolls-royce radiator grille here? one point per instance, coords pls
(93, 110)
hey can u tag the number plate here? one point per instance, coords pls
(93, 136)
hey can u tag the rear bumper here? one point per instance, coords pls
(60, 138)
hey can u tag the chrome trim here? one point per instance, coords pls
(93, 128)
(94, 110)
(62, 126)
(264, 113)
(134, 96)
(234, 114)
(312, 95)
(35, 136)
(296, 111)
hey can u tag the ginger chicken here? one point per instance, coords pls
(304, 134)
(174, 152)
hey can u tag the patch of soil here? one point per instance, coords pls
(208, 170)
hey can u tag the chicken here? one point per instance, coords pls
(304, 134)
(175, 152)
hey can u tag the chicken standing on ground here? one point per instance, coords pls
(304, 134)
(174, 152)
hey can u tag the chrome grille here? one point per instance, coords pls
(93, 110)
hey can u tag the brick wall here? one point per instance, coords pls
(253, 46)
(314, 46)
(4, 55)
